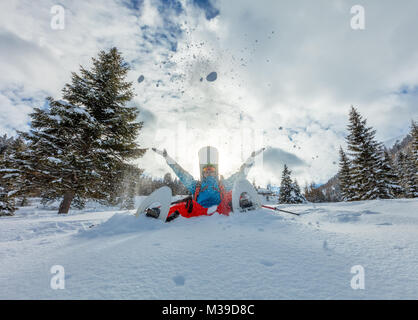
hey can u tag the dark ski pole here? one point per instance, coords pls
(182, 200)
(276, 209)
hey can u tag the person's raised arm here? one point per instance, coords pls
(186, 178)
(243, 170)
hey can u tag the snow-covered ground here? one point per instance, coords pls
(253, 255)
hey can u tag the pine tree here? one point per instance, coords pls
(297, 196)
(5, 143)
(407, 174)
(410, 176)
(286, 187)
(388, 175)
(383, 173)
(400, 172)
(7, 203)
(414, 145)
(10, 176)
(365, 162)
(79, 146)
(344, 177)
(413, 165)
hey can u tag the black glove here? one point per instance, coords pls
(161, 153)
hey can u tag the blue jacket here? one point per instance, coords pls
(209, 194)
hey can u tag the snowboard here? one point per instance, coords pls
(244, 197)
(161, 199)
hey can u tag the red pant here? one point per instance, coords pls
(192, 208)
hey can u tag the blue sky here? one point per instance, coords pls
(287, 74)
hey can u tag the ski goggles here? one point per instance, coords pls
(209, 169)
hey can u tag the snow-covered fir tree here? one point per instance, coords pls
(10, 175)
(407, 174)
(410, 176)
(289, 190)
(80, 146)
(413, 165)
(365, 162)
(6, 202)
(414, 145)
(5, 142)
(400, 172)
(285, 195)
(384, 183)
(297, 196)
(389, 177)
(344, 177)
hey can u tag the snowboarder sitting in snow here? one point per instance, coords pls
(210, 194)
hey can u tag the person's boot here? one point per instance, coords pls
(173, 216)
(245, 203)
(153, 213)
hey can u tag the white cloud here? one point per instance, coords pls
(150, 15)
(297, 66)
(13, 115)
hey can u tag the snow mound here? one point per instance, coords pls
(127, 222)
(123, 222)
